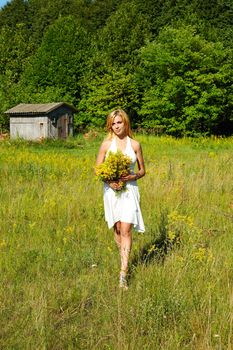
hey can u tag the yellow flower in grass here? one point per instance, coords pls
(171, 236)
(203, 255)
(70, 230)
(3, 244)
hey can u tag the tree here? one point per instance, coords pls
(140, 55)
(109, 82)
(114, 90)
(96, 13)
(13, 13)
(126, 30)
(186, 83)
(15, 48)
(59, 62)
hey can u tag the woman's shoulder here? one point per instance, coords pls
(106, 144)
(135, 144)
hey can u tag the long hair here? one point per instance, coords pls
(125, 119)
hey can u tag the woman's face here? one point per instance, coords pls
(118, 126)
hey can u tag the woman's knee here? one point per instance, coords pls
(117, 228)
(126, 233)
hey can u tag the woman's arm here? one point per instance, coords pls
(140, 161)
(102, 153)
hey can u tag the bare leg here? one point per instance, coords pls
(117, 235)
(126, 244)
(123, 239)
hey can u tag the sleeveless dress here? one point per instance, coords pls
(124, 206)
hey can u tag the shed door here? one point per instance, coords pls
(42, 130)
(63, 127)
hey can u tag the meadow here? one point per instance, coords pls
(59, 263)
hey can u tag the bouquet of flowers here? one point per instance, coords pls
(115, 166)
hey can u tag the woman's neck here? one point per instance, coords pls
(120, 137)
(121, 142)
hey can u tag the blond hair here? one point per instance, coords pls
(125, 119)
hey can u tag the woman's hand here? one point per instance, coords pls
(129, 177)
(115, 185)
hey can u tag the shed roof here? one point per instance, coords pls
(37, 108)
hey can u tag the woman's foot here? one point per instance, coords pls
(123, 280)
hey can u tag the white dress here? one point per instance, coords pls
(124, 206)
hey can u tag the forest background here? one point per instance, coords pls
(167, 63)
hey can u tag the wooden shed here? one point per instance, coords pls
(39, 121)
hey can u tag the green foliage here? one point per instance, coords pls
(13, 13)
(96, 13)
(60, 60)
(168, 63)
(114, 89)
(15, 49)
(109, 81)
(124, 33)
(188, 83)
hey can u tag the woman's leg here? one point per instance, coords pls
(126, 244)
(123, 239)
(117, 235)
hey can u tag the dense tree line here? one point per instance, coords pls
(168, 63)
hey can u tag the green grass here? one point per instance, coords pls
(59, 263)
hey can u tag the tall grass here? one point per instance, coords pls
(59, 264)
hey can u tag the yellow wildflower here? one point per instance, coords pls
(115, 166)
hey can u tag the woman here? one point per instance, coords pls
(122, 211)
